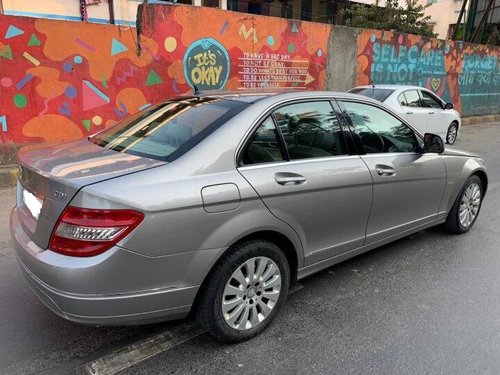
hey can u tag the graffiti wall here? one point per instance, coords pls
(62, 80)
(212, 49)
(465, 74)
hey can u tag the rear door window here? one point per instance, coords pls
(373, 92)
(402, 100)
(412, 98)
(168, 130)
(310, 130)
(265, 145)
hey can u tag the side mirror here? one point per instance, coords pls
(433, 143)
(448, 106)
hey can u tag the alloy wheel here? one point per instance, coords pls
(452, 134)
(251, 293)
(469, 205)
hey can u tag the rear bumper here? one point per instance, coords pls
(113, 288)
(112, 310)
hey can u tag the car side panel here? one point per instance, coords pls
(177, 221)
(409, 198)
(329, 210)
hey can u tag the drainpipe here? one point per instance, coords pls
(459, 21)
(482, 22)
(111, 6)
(469, 26)
(83, 10)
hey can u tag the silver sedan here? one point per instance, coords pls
(217, 202)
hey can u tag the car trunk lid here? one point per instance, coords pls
(51, 176)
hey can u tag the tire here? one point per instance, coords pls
(468, 200)
(231, 322)
(451, 134)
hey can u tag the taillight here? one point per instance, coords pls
(84, 232)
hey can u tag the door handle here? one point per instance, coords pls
(409, 113)
(285, 178)
(384, 170)
(431, 112)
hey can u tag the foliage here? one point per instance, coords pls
(409, 18)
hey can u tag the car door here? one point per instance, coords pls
(298, 162)
(413, 111)
(408, 185)
(437, 123)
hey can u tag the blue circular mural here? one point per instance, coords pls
(206, 64)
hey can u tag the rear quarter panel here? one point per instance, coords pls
(175, 219)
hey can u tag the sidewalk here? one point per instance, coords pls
(477, 120)
(8, 175)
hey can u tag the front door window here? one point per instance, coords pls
(380, 131)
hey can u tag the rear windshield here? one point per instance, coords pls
(170, 129)
(377, 94)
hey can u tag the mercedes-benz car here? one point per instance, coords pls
(426, 111)
(215, 203)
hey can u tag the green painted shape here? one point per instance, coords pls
(7, 54)
(291, 48)
(34, 41)
(103, 81)
(153, 78)
(20, 100)
(86, 123)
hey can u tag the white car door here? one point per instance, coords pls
(437, 122)
(413, 111)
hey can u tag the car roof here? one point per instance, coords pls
(392, 87)
(253, 96)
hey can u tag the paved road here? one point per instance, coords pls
(429, 303)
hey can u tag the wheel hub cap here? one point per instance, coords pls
(452, 134)
(469, 205)
(251, 293)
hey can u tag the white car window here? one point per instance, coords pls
(429, 101)
(412, 98)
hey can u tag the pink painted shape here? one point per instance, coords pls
(6, 82)
(90, 99)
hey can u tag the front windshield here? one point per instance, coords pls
(170, 129)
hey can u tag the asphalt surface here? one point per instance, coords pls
(429, 303)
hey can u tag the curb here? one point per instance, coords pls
(8, 175)
(476, 120)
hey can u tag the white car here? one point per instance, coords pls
(426, 111)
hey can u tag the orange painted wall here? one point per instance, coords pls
(61, 80)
